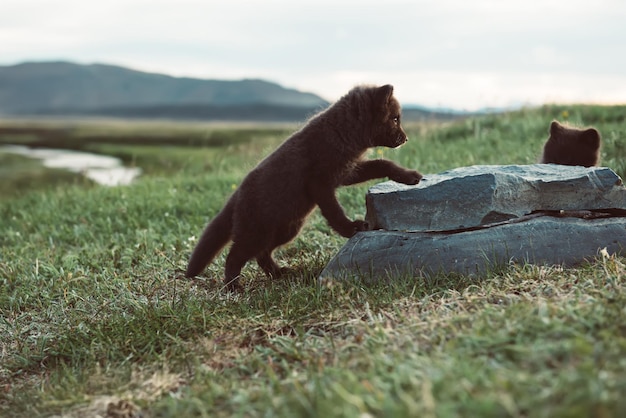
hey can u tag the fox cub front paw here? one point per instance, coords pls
(360, 226)
(408, 177)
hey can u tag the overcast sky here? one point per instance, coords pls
(465, 54)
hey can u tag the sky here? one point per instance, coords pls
(462, 54)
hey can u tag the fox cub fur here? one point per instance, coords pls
(273, 201)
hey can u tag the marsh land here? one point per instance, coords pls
(94, 315)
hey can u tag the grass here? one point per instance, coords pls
(93, 316)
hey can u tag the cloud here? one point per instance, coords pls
(457, 50)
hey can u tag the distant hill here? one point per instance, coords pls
(63, 88)
(69, 89)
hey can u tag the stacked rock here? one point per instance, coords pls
(471, 219)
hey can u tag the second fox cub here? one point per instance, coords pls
(571, 146)
(275, 198)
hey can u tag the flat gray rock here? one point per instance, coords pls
(483, 194)
(471, 219)
(378, 255)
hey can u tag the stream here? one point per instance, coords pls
(102, 169)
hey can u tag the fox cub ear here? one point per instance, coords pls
(555, 127)
(384, 93)
(592, 137)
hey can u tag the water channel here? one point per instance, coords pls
(102, 169)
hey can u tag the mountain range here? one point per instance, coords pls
(70, 89)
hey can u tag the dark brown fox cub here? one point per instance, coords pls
(275, 198)
(571, 146)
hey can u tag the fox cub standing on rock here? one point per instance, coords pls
(571, 146)
(275, 198)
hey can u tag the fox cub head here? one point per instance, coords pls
(387, 129)
(377, 112)
(571, 146)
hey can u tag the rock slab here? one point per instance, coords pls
(483, 194)
(378, 255)
(472, 219)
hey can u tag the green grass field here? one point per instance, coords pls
(94, 320)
